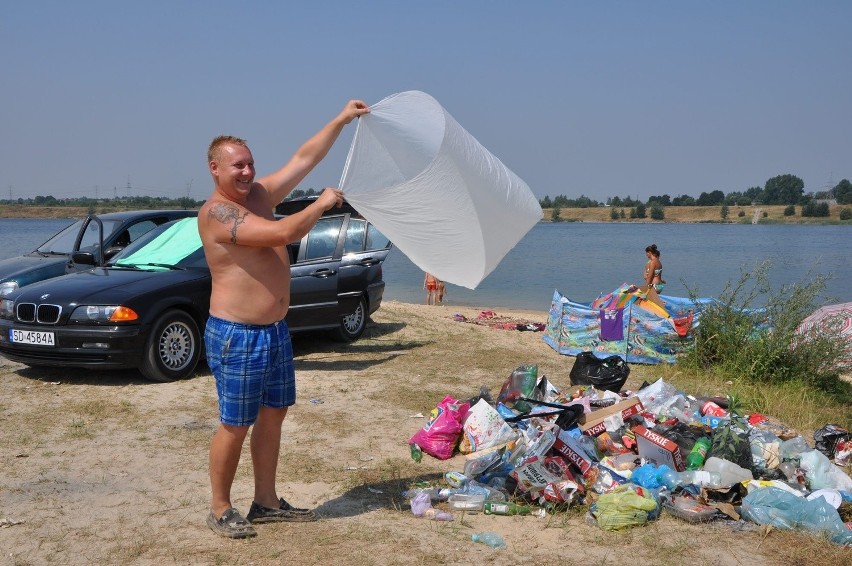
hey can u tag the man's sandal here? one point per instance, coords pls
(231, 525)
(285, 513)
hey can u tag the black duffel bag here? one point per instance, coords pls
(608, 373)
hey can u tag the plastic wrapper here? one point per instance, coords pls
(439, 436)
(655, 395)
(533, 476)
(420, 503)
(479, 462)
(843, 453)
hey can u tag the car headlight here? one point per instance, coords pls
(7, 308)
(103, 313)
(7, 287)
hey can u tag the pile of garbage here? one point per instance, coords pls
(628, 456)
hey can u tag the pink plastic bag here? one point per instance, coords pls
(441, 434)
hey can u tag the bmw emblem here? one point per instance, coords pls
(43, 297)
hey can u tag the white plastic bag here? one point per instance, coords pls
(443, 199)
(484, 428)
(822, 474)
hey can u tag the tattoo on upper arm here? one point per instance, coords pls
(226, 214)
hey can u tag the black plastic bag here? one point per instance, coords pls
(826, 438)
(608, 373)
(682, 434)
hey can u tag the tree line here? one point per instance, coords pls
(782, 189)
(131, 203)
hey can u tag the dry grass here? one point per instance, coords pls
(104, 468)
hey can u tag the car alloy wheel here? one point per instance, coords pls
(176, 346)
(352, 325)
(173, 347)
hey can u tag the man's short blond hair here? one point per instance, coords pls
(215, 146)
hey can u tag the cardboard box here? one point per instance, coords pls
(593, 423)
(659, 449)
(572, 452)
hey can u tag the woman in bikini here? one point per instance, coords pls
(430, 283)
(654, 269)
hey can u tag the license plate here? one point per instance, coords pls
(31, 337)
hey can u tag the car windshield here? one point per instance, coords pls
(63, 242)
(174, 244)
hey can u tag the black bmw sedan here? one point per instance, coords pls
(146, 308)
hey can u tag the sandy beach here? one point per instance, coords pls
(106, 468)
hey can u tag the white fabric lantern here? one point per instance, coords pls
(443, 199)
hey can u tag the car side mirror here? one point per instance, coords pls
(111, 251)
(83, 258)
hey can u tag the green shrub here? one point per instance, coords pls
(751, 333)
(741, 213)
(555, 215)
(657, 212)
(846, 213)
(790, 211)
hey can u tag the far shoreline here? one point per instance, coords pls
(752, 214)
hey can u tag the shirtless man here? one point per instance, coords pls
(247, 341)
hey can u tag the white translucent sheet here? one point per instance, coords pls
(443, 199)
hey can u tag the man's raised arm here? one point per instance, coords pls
(280, 183)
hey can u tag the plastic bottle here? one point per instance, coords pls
(696, 456)
(700, 478)
(671, 479)
(435, 493)
(416, 452)
(730, 473)
(505, 508)
(437, 515)
(475, 488)
(491, 539)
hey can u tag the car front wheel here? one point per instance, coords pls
(352, 326)
(172, 349)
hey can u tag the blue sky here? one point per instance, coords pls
(593, 98)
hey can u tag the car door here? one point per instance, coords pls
(364, 250)
(314, 275)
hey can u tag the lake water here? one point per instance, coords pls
(583, 260)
